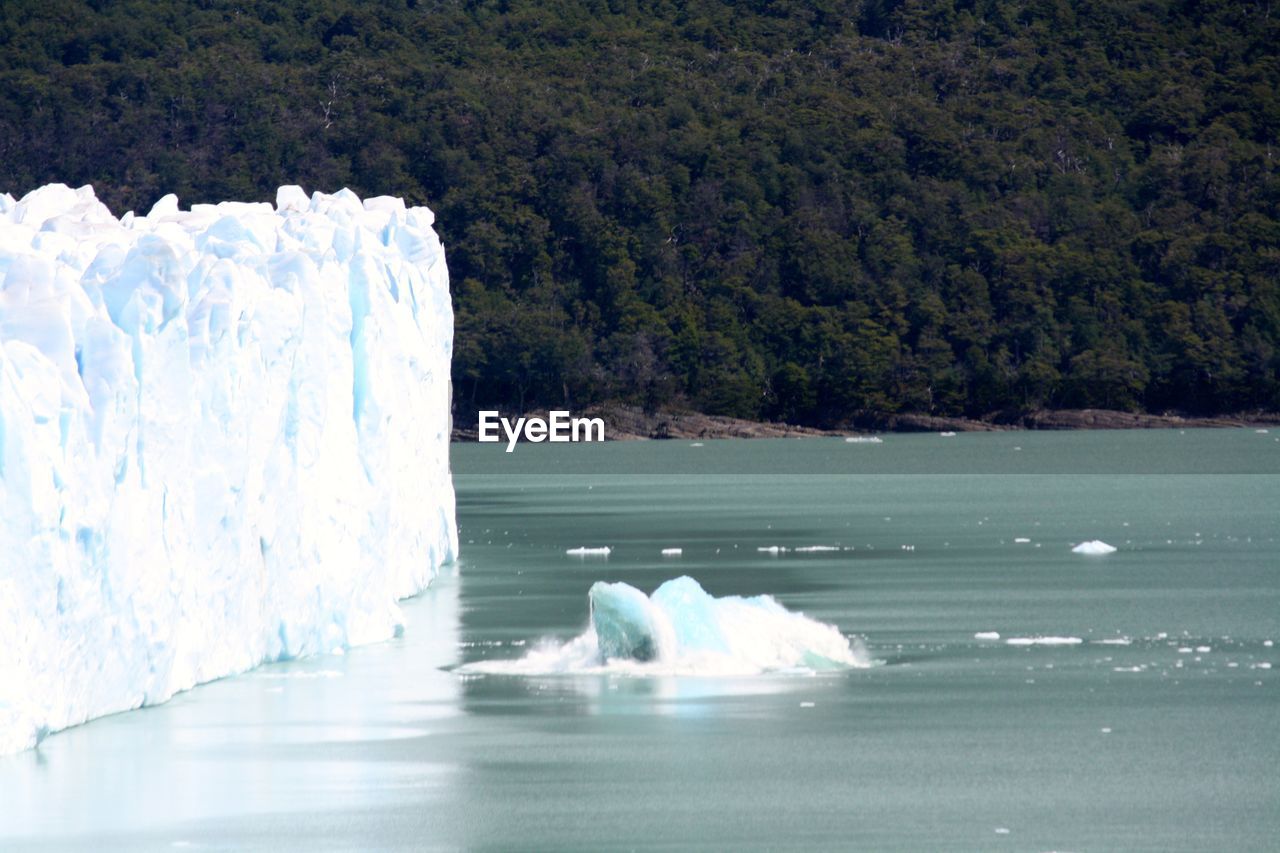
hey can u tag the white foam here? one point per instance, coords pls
(1094, 548)
(681, 630)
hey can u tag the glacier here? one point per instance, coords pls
(682, 630)
(223, 440)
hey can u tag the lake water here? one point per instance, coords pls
(1158, 730)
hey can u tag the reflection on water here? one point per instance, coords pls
(287, 737)
(625, 695)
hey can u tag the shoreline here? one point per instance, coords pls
(630, 423)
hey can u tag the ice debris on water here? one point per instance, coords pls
(682, 630)
(1094, 548)
(589, 552)
(672, 552)
(1044, 641)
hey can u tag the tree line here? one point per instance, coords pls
(805, 211)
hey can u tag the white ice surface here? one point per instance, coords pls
(589, 552)
(1094, 548)
(223, 440)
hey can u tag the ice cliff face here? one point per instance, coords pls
(223, 440)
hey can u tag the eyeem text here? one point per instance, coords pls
(560, 426)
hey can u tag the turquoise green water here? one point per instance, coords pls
(1157, 731)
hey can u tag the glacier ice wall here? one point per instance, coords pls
(223, 440)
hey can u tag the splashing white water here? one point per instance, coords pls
(682, 630)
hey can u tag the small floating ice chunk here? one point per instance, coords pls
(1115, 641)
(806, 704)
(947, 434)
(772, 549)
(1268, 643)
(696, 444)
(1094, 547)
(1203, 649)
(1044, 641)
(810, 549)
(1262, 665)
(589, 552)
(1021, 540)
(864, 439)
(672, 552)
(987, 635)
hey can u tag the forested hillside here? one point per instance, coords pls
(795, 210)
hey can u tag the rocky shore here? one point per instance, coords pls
(625, 423)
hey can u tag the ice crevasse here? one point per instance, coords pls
(223, 440)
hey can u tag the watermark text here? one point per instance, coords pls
(558, 426)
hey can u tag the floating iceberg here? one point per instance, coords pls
(682, 630)
(589, 552)
(672, 552)
(223, 440)
(1095, 548)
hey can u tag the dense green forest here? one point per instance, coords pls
(794, 210)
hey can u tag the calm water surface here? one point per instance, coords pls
(1157, 731)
